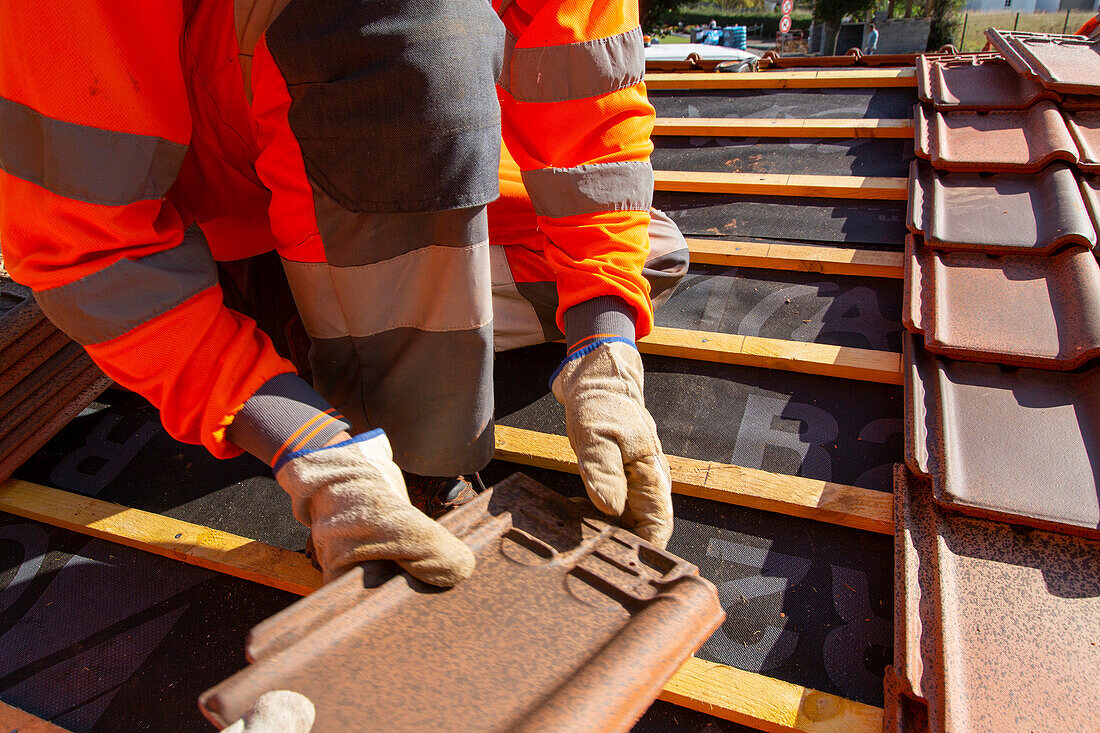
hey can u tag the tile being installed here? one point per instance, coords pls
(1004, 213)
(1039, 311)
(1065, 64)
(1019, 445)
(586, 622)
(1018, 622)
(976, 82)
(1010, 141)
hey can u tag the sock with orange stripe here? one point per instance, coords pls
(284, 415)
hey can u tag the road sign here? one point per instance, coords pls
(786, 7)
(785, 24)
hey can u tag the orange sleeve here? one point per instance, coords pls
(576, 119)
(96, 123)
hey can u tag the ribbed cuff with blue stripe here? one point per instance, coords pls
(284, 415)
(605, 317)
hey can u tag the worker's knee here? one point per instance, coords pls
(668, 258)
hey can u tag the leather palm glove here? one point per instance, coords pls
(278, 711)
(353, 498)
(619, 454)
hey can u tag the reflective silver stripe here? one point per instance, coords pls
(108, 303)
(434, 288)
(85, 163)
(574, 70)
(505, 79)
(352, 239)
(515, 322)
(588, 189)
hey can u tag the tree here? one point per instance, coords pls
(945, 23)
(832, 12)
(655, 14)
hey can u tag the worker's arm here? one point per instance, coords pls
(95, 124)
(576, 119)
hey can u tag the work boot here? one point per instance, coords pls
(437, 495)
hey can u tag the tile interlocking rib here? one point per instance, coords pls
(976, 82)
(1014, 620)
(1066, 64)
(1037, 311)
(589, 622)
(1005, 213)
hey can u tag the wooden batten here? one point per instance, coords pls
(826, 360)
(823, 79)
(821, 258)
(824, 501)
(783, 184)
(798, 128)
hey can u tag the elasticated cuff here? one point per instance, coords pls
(284, 415)
(605, 317)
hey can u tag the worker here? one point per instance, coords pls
(363, 144)
(872, 41)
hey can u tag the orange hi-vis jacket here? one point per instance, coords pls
(125, 122)
(576, 182)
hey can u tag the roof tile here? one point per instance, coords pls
(1039, 311)
(1067, 64)
(587, 623)
(1009, 140)
(1017, 614)
(1018, 444)
(976, 82)
(1000, 214)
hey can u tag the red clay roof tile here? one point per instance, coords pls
(999, 214)
(1009, 140)
(1066, 64)
(976, 82)
(568, 623)
(1039, 311)
(1016, 615)
(1018, 444)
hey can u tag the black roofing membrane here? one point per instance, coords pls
(884, 103)
(817, 156)
(95, 636)
(787, 218)
(862, 312)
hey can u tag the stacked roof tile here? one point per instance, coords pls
(45, 378)
(996, 628)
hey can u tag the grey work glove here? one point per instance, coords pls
(278, 711)
(353, 498)
(614, 436)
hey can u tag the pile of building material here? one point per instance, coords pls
(46, 379)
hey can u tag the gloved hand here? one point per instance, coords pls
(278, 711)
(614, 436)
(353, 498)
